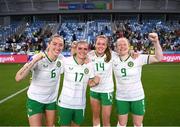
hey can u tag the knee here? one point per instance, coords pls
(106, 122)
(50, 123)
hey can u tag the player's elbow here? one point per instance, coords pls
(159, 58)
(18, 78)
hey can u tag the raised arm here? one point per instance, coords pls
(153, 37)
(24, 71)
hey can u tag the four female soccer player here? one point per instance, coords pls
(83, 68)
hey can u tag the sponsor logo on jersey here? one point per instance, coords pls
(115, 65)
(93, 60)
(29, 110)
(70, 68)
(45, 65)
(130, 64)
(86, 70)
(58, 63)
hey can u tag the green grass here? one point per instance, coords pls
(161, 84)
(8, 85)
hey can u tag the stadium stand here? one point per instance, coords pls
(28, 29)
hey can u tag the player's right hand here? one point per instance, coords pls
(39, 56)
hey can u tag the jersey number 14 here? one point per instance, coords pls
(99, 66)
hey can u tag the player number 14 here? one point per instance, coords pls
(99, 66)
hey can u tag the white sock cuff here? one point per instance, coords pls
(118, 125)
(139, 126)
(97, 125)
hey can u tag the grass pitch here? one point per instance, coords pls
(161, 85)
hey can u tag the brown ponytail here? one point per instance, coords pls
(108, 54)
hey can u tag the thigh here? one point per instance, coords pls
(95, 103)
(36, 120)
(106, 110)
(50, 106)
(106, 113)
(95, 95)
(137, 120)
(138, 107)
(95, 106)
(65, 116)
(123, 107)
(106, 98)
(50, 110)
(50, 117)
(78, 116)
(34, 107)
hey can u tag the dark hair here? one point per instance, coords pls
(107, 51)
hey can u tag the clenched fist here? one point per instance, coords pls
(153, 37)
(39, 56)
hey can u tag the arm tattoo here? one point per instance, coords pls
(26, 68)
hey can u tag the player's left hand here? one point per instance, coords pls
(97, 79)
(86, 61)
(133, 54)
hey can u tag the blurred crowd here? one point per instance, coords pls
(136, 32)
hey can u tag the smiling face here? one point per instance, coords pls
(82, 50)
(122, 46)
(101, 45)
(55, 47)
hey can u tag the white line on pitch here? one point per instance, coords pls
(11, 96)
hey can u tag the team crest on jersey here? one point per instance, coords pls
(86, 70)
(130, 64)
(58, 64)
